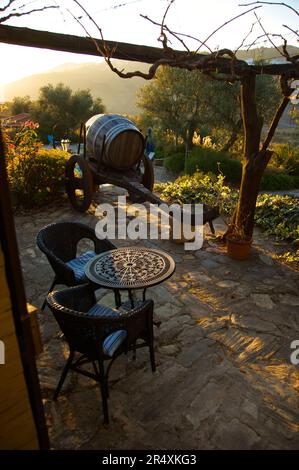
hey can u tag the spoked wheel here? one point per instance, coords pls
(148, 177)
(79, 183)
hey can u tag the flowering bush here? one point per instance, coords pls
(37, 180)
(25, 142)
(35, 175)
(207, 142)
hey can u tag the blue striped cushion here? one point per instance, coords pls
(113, 341)
(78, 264)
(99, 310)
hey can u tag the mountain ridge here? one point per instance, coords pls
(118, 95)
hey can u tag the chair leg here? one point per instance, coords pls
(152, 356)
(117, 297)
(134, 352)
(99, 378)
(107, 388)
(104, 390)
(44, 304)
(63, 375)
(51, 288)
(151, 344)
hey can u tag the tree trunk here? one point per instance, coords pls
(252, 173)
(176, 142)
(234, 135)
(254, 164)
(256, 157)
(189, 136)
(230, 142)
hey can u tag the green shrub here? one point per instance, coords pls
(277, 181)
(291, 258)
(175, 162)
(286, 158)
(278, 216)
(210, 160)
(36, 179)
(200, 188)
(164, 149)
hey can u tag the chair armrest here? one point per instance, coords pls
(142, 307)
(78, 299)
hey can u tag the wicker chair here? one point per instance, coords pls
(59, 243)
(96, 333)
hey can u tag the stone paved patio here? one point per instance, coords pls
(224, 378)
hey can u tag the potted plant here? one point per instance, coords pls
(238, 245)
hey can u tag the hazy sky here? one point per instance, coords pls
(120, 20)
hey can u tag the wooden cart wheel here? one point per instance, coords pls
(148, 177)
(79, 183)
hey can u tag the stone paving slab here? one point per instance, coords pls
(224, 379)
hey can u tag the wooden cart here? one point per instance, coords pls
(87, 170)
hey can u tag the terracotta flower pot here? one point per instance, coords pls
(238, 249)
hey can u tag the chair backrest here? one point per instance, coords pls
(59, 242)
(79, 331)
(61, 239)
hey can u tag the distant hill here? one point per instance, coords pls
(118, 94)
(265, 53)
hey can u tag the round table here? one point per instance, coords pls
(128, 269)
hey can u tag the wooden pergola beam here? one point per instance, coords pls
(132, 52)
(78, 44)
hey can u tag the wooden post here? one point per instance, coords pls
(36, 336)
(21, 408)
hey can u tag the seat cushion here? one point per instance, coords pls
(113, 341)
(78, 264)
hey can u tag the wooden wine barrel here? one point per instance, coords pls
(114, 140)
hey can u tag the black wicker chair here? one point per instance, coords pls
(59, 243)
(96, 333)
